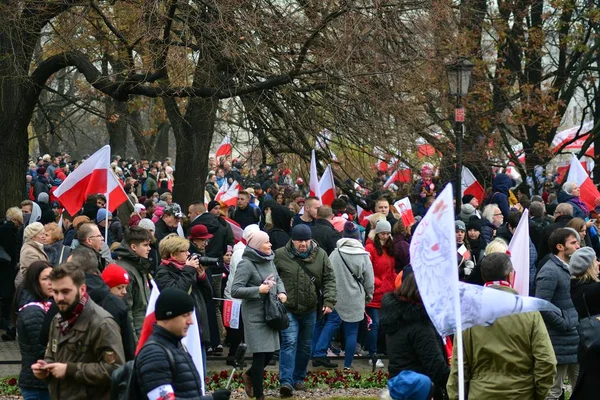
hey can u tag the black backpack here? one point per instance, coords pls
(124, 380)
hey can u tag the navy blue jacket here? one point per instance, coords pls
(499, 194)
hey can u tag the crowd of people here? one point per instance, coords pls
(74, 292)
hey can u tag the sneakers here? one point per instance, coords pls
(378, 364)
(286, 390)
(323, 362)
(300, 386)
(218, 349)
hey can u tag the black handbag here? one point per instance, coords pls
(275, 312)
(589, 330)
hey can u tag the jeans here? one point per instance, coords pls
(35, 394)
(351, 335)
(295, 348)
(373, 334)
(324, 331)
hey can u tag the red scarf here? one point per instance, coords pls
(173, 261)
(65, 324)
(44, 305)
(498, 283)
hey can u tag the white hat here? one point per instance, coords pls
(138, 207)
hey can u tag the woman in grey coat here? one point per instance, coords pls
(255, 278)
(354, 283)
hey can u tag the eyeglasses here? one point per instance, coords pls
(95, 236)
(497, 215)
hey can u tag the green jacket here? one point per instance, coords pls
(301, 292)
(138, 290)
(512, 359)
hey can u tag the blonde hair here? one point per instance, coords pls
(373, 218)
(172, 244)
(54, 232)
(496, 246)
(15, 215)
(587, 276)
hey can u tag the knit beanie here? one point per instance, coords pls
(410, 385)
(114, 275)
(147, 224)
(301, 232)
(467, 198)
(581, 260)
(101, 214)
(460, 226)
(32, 230)
(171, 303)
(43, 198)
(257, 239)
(248, 230)
(474, 223)
(212, 204)
(350, 231)
(139, 208)
(466, 212)
(383, 226)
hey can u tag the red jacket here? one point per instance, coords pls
(384, 272)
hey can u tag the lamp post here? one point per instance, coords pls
(459, 77)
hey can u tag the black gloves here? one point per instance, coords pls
(221, 394)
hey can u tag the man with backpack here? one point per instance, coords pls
(180, 379)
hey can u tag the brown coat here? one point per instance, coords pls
(31, 252)
(93, 349)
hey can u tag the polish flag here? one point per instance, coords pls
(327, 187)
(404, 207)
(589, 193)
(471, 186)
(391, 180)
(519, 255)
(93, 176)
(314, 178)
(236, 228)
(227, 194)
(224, 148)
(191, 342)
(362, 214)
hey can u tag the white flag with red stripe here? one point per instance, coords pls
(314, 178)
(327, 187)
(404, 207)
(391, 180)
(93, 176)
(228, 194)
(519, 255)
(191, 342)
(589, 193)
(470, 185)
(225, 148)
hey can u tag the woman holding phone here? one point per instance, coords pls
(255, 278)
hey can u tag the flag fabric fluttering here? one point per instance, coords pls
(225, 148)
(589, 193)
(236, 228)
(519, 255)
(191, 342)
(314, 178)
(391, 180)
(471, 186)
(404, 207)
(228, 194)
(93, 176)
(327, 187)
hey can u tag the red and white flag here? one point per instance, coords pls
(314, 178)
(519, 255)
(404, 207)
(238, 232)
(391, 180)
(93, 176)
(231, 313)
(589, 193)
(361, 215)
(191, 342)
(471, 186)
(225, 148)
(228, 194)
(327, 187)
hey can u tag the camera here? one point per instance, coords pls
(203, 260)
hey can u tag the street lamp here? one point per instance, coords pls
(459, 77)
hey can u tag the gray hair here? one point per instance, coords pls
(568, 187)
(489, 211)
(537, 209)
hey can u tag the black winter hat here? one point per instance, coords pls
(171, 303)
(212, 204)
(301, 232)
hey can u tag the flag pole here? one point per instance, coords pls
(459, 342)
(108, 171)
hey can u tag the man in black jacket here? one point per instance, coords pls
(180, 379)
(84, 258)
(562, 215)
(244, 213)
(323, 231)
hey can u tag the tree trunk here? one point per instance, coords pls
(161, 148)
(117, 122)
(193, 136)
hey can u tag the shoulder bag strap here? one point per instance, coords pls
(586, 307)
(311, 276)
(62, 252)
(170, 357)
(360, 285)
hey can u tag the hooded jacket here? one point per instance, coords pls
(412, 342)
(138, 290)
(279, 235)
(500, 192)
(301, 292)
(384, 272)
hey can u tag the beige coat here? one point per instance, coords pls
(31, 252)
